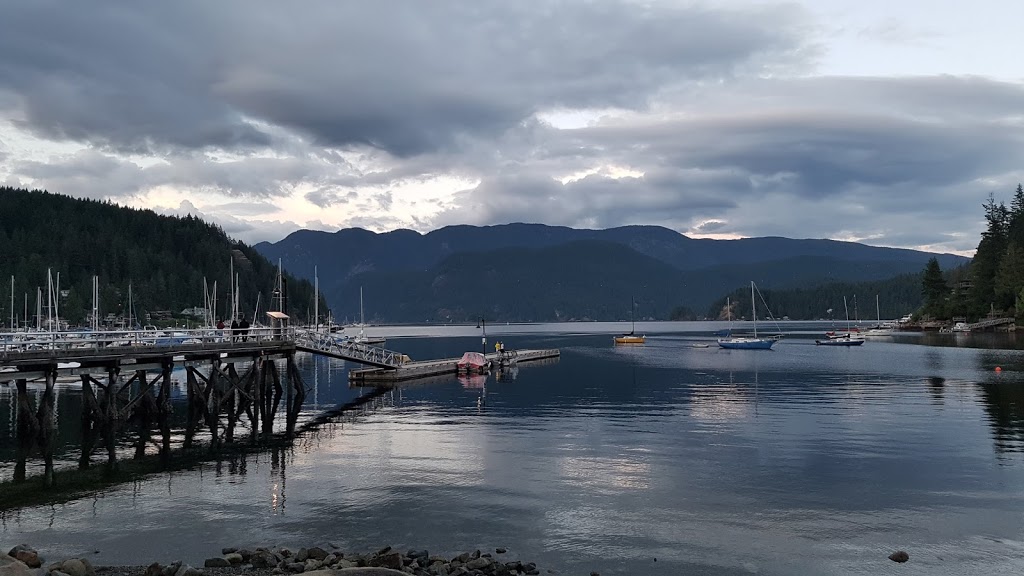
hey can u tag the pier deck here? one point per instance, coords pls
(422, 369)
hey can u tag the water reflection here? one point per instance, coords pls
(815, 460)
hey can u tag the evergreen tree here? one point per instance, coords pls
(1016, 224)
(934, 289)
(165, 258)
(1010, 276)
(988, 256)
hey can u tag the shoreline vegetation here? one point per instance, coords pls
(23, 560)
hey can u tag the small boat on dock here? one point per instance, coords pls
(473, 363)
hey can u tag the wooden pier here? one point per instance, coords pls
(232, 381)
(425, 368)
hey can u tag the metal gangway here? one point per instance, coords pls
(347, 349)
(989, 323)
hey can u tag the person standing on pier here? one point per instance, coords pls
(244, 329)
(234, 330)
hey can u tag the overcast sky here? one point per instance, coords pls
(882, 122)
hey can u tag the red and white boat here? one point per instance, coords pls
(473, 363)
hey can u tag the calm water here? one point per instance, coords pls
(802, 460)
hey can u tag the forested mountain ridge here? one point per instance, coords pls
(692, 273)
(165, 258)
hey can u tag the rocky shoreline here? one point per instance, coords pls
(23, 560)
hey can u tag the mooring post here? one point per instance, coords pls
(88, 431)
(257, 398)
(296, 394)
(48, 425)
(213, 404)
(278, 391)
(232, 400)
(190, 413)
(164, 408)
(110, 418)
(26, 430)
(141, 412)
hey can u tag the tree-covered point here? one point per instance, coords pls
(164, 258)
(896, 297)
(997, 270)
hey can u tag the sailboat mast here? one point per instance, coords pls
(49, 301)
(753, 307)
(316, 300)
(878, 312)
(95, 303)
(632, 322)
(12, 302)
(847, 315)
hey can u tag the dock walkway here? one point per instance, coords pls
(412, 370)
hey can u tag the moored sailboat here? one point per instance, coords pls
(632, 337)
(746, 342)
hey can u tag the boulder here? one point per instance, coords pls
(479, 563)
(171, 569)
(11, 566)
(229, 550)
(73, 567)
(391, 560)
(899, 556)
(316, 553)
(27, 555)
(302, 555)
(365, 571)
(154, 569)
(263, 559)
(500, 550)
(216, 562)
(234, 558)
(295, 567)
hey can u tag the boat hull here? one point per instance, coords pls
(840, 342)
(630, 339)
(747, 343)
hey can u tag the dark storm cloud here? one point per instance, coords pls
(893, 160)
(405, 76)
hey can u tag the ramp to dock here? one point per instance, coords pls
(425, 368)
(327, 345)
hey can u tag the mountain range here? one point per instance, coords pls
(534, 272)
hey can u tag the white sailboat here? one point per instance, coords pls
(746, 342)
(632, 337)
(848, 338)
(361, 337)
(881, 328)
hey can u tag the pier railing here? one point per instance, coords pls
(348, 348)
(16, 343)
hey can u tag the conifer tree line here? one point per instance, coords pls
(163, 258)
(993, 283)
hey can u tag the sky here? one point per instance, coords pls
(887, 123)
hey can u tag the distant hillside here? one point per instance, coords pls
(895, 298)
(691, 273)
(165, 258)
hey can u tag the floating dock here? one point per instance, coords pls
(426, 368)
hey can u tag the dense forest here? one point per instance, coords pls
(896, 297)
(163, 258)
(993, 283)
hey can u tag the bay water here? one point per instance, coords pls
(673, 457)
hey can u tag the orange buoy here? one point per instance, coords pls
(998, 369)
